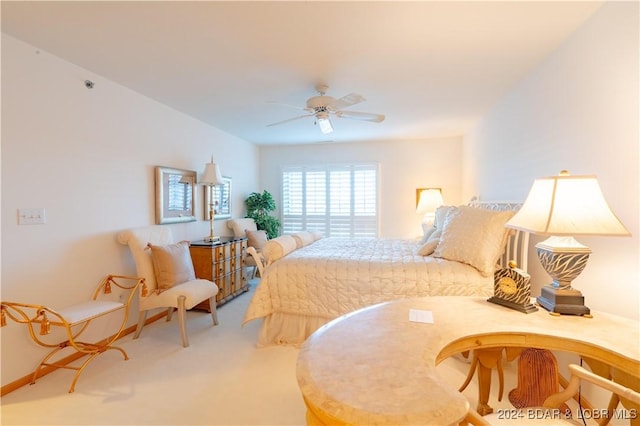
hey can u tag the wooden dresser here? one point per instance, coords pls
(223, 263)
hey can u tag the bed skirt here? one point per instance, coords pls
(288, 329)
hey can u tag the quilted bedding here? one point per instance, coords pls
(334, 276)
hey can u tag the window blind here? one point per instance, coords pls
(337, 200)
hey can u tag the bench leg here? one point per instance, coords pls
(90, 349)
(91, 357)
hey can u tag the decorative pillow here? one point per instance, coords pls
(473, 236)
(172, 264)
(441, 215)
(303, 238)
(430, 245)
(434, 232)
(317, 235)
(427, 231)
(278, 247)
(256, 239)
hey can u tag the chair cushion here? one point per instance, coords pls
(256, 239)
(82, 312)
(195, 291)
(239, 226)
(172, 264)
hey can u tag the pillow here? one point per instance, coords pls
(317, 235)
(239, 226)
(429, 247)
(441, 215)
(427, 231)
(256, 239)
(171, 264)
(439, 218)
(278, 247)
(303, 238)
(473, 236)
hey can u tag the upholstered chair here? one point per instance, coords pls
(246, 227)
(169, 278)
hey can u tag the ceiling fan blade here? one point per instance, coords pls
(289, 119)
(365, 116)
(290, 106)
(347, 101)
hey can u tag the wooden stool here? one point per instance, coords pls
(74, 320)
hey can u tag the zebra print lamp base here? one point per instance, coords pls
(566, 302)
(563, 259)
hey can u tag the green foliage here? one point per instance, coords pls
(258, 208)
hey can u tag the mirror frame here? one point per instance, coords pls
(165, 178)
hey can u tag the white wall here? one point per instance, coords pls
(578, 110)
(88, 157)
(404, 166)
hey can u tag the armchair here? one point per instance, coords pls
(257, 259)
(247, 228)
(182, 295)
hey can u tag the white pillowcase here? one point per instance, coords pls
(474, 236)
(430, 245)
(427, 230)
(431, 237)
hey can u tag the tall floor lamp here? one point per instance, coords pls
(560, 207)
(211, 177)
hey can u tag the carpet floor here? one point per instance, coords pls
(222, 378)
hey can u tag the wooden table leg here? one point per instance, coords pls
(488, 359)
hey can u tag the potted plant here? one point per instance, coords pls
(258, 208)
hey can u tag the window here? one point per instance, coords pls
(339, 200)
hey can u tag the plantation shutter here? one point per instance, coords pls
(337, 200)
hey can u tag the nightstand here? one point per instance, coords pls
(222, 262)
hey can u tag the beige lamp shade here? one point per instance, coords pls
(211, 175)
(566, 205)
(430, 199)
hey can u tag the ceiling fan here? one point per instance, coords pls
(322, 107)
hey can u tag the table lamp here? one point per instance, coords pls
(561, 207)
(429, 199)
(211, 177)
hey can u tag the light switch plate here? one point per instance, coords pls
(33, 216)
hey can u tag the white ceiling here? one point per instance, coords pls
(433, 68)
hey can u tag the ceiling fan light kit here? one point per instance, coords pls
(321, 107)
(322, 118)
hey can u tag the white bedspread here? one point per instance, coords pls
(334, 276)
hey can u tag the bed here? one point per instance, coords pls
(309, 280)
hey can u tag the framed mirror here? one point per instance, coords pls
(175, 195)
(221, 199)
